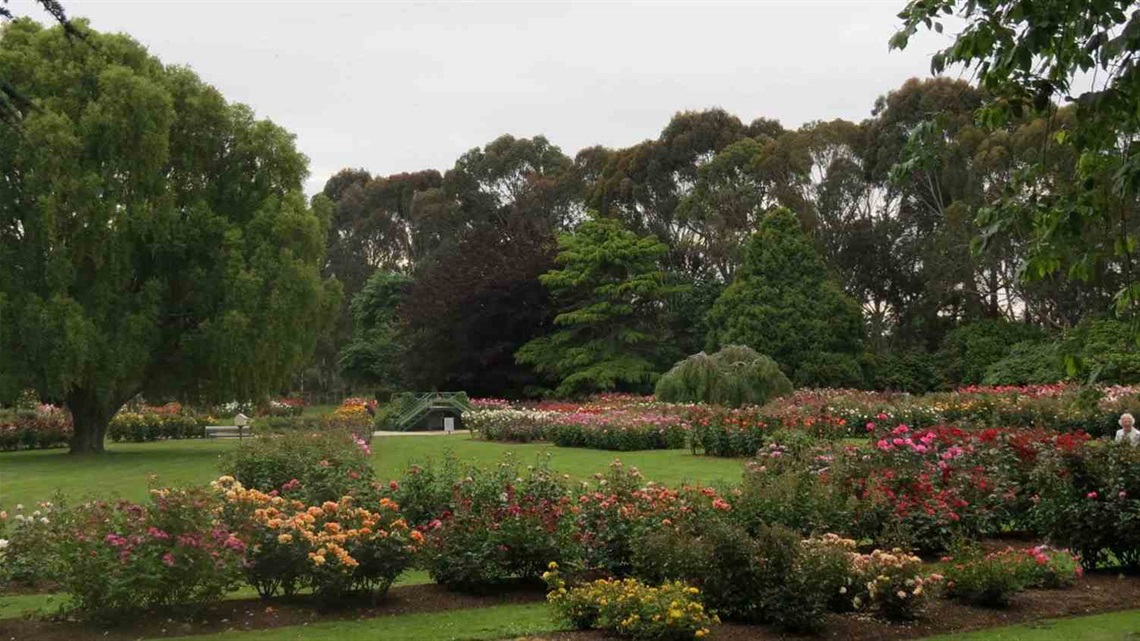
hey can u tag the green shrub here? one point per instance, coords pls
(425, 490)
(771, 577)
(734, 376)
(388, 413)
(667, 553)
(1106, 349)
(913, 371)
(120, 558)
(989, 580)
(630, 608)
(310, 467)
(621, 432)
(781, 487)
(831, 558)
(829, 369)
(969, 350)
(501, 525)
(1027, 363)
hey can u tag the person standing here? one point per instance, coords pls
(1127, 432)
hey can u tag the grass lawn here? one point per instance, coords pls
(499, 622)
(509, 621)
(1115, 626)
(28, 477)
(17, 605)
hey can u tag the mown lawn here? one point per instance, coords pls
(28, 477)
(499, 622)
(509, 621)
(18, 605)
(1115, 626)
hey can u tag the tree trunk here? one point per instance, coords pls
(89, 417)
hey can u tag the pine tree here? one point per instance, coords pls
(783, 303)
(610, 290)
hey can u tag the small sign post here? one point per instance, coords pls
(448, 425)
(241, 420)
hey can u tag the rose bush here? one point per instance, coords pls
(336, 548)
(310, 467)
(121, 557)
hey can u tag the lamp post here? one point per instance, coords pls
(241, 420)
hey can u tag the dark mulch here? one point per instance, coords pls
(1094, 594)
(253, 614)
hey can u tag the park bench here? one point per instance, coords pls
(227, 431)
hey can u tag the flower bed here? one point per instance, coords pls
(613, 422)
(622, 422)
(847, 413)
(140, 427)
(42, 428)
(304, 511)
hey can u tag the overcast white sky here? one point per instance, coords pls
(400, 87)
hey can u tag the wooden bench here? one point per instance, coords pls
(227, 431)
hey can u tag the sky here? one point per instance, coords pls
(393, 87)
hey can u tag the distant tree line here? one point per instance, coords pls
(846, 251)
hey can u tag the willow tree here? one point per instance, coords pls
(153, 238)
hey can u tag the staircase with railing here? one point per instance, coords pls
(431, 402)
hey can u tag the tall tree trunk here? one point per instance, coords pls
(89, 417)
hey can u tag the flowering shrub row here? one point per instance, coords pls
(284, 406)
(304, 511)
(925, 489)
(608, 423)
(622, 422)
(31, 429)
(843, 413)
(138, 427)
(189, 547)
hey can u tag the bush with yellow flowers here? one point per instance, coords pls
(336, 548)
(630, 608)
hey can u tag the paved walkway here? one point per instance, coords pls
(431, 433)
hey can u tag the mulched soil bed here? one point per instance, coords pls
(1096, 593)
(253, 614)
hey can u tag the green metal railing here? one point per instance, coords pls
(432, 401)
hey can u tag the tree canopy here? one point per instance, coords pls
(610, 291)
(1026, 55)
(153, 237)
(784, 303)
(374, 355)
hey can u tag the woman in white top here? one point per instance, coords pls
(1127, 433)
